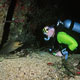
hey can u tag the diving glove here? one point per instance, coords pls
(58, 54)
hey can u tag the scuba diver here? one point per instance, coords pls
(62, 37)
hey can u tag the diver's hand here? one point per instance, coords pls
(46, 39)
(58, 54)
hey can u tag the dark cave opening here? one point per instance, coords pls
(45, 12)
(49, 12)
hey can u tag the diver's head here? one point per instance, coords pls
(49, 31)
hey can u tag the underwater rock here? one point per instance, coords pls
(72, 65)
(3, 12)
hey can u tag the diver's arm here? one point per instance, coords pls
(65, 52)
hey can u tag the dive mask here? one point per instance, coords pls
(45, 30)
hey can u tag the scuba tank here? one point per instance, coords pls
(74, 26)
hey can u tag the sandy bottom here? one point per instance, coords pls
(35, 66)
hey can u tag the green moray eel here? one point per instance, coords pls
(10, 46)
